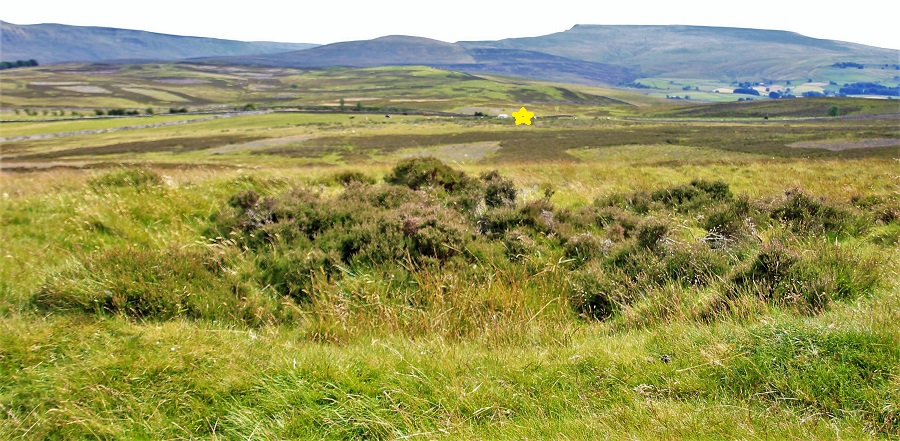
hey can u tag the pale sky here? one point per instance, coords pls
(327, 21)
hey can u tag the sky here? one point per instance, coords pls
(328, 21)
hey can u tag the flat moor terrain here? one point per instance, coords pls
(273, 264)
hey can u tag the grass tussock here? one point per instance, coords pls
(835, 372)
(454, 304)
(126, 177)
(156, 285)
(436, 242)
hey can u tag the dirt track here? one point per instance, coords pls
(845, 144)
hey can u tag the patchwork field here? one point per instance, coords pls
(621, 269)
(84, 88)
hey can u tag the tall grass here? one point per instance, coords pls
(438, 243)
(183, 304)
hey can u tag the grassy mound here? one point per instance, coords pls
(332, 306)
(155, 285)
(432, 236)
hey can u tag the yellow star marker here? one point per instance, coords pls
(523, 116)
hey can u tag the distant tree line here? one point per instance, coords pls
(18, 63)
(848, 65)
(777, 95)
(869, 89)
(748, 84)
(128, 112)
(119, 112)
(746, 91)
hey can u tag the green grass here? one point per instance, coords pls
(324, 139)
(214, 87)
(506, 359)
(26, 128)
(785, 108)
(257, 276)
(868, 75)
(174, 380)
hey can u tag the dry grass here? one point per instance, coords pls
(480, 347)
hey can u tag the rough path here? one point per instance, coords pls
(845, 144)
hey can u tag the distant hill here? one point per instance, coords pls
(394, 50)
(698, 51)
(398, 50)
(54, 43)
(541, 66)
(596, 55)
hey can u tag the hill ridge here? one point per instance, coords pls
(54, 43)
(584, 54)
(688, 51)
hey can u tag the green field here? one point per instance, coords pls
(161, 86)
(635, 269)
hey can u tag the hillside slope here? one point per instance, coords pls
(184, 84)
(390, 50)
(398, 50)
(698, 51)
(584, 54)
(54, 43)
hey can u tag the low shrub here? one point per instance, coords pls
(498, 191)
(292, 272)
(694, 195)
(607, 253)
(587, 217)
(586, 246)
(809, 283)
(595, 295)
(155, 285)
(638, 202)
(619, 224)
(365, 238)
(769, 268)
(693, 265)
(804, 214)
(689, 266)
(881, 210)
(729, 219)
(349, 177)
(433, 231)
(518, 244)
(130, 177)
(539, 215)
(424, 172)
(650, 233)
(495, 222)
(244, 200)
(382, 197)
(677, 195)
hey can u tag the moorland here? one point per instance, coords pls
(372, 253)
